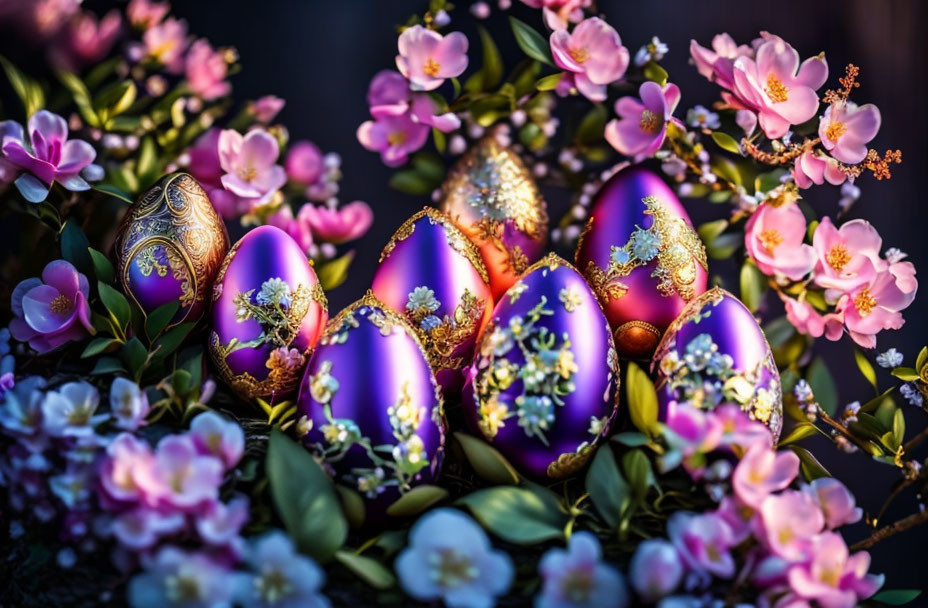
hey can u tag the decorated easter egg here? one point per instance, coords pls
(543, 386)
(170, 246)
(432, 274)
(641, 256)
(268, 313)
(375, 407)
(491, 195)
(713, 353)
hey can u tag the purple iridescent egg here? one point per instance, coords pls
(642, 257)
(268, 313)
(543, 387)
(714, 353)
(432, 274)
(169, 247)
(374, 404)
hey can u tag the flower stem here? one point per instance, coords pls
(892, 529)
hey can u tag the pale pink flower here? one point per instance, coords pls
(846, 128)
(835, 500)
(166, 42)
(694, 431)
(337, 225)
(214, 435)
(592, 54)
(389, 95)
(761, 472)
(394, 137)
(811, 168)
(129, 404)
(250, 165)
(204, 162)
(266, 108)
(181, 477)
(128, 462)
(53, 310)
(776, 86)
(304, 163)
(832, 577)
(787, 523)
(86, 40)
(875, 307)
(717, 63)
(847, 256)
(144, 14)
(747, 120)
(773, 237)
(141, 528)
(807, 320)
(704, 542)
(558, 13)
(738, 516)
(222, 522)
(206, 71)
(642, 124)
(427, 58)
(388, 88)
(655, 570)
(739, 430)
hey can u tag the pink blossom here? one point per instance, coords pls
(845, 130)
(214, 435)
(738, 516)
(875, 307)
(222, 522)
(704, 542)
(166, 42)
(141, 528)
(127, 464)
(427, 58)
(389, 95)
(832, 577)
(144, 14)
(181, 477)
(250, 165)
(206, 71)
(592, 54)
(204, 162)
(776, 86)
(86, 40)
(297, 228)
(747, 120)
(387, 88)
(717, 63)
(337, 225)
(47, 155)
(835, 500)
(739, 430)
(558, 13)
(787, 523)
(394, 137)
(694, 430)
(52, 310)
(847, 256)
(304, 162)
(811, 168)
(809, 321)
(266, 108)
(774, 237)
(642, 124)
(655, 570)
(761, 472)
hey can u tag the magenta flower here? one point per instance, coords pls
(777, 87)
(761, 472)
(592, 54)
(214, 435)
(427, 58)
(166, 43)
(811, 168)
(717, 64)
(181, 477)
(266, 108)
(738, 516)
(578, 577)
(47, 155)
(389, 95)
(52, 310)
(206, 71)
(250, 165)
(807, 320)
(787, 523)
(126, 468)
(845, 130)
(86, 40)
(304, 163)
(773, 237)
(143, 14)
(337, 225)
(642, 124)
(847, 256)
(204, 162)
(739, 430)
(832, 577)
(655, 570)
(875, 307)
(387, 88)
(558, 13)
(704, 542)
(694, 433)
(394, 137)
(835, 500)
(141, 528)
(296, 227)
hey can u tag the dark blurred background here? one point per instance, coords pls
(320, 56)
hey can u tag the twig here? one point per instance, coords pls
(891, 530)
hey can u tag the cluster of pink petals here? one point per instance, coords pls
(144, 14)
(426, 58)
(266, 108)
(641, 128)
(323, 223)
(814, 168)
(53, 310)
(166, 43)
(592, 56)
(85, 40)
(249, 165)
(206, 70)
(696, 433)
(774, 236)
(846, 128)
(559, 13)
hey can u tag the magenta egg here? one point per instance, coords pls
(169, 247)
(715, 352)
(268, 313)
(433, 275)
(375, 407)
(642, 258)
(543, 387)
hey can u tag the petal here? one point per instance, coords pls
(39, 314)
(864, 123)
(259, 150)
(813, 72)
(777, 58)
(451, 54)
(229, 145)
(75, 155)
(590, 90)
(801, 105)
(63, 276)
(16, 154)
(559, 41)
(51, 126)
(652, 97)
(31, 188)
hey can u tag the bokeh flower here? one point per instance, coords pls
(219, 437)
(267, 107)
(337, 225)
(832, 577)
(761, 472)
(577, 577)
(129, 404)
(835, 500)
(592, 55)
(303, 162)
(181, 477)
(143, 14)
(394, 137)
(178, 578)
(426, 58)
(787, 522)
(642, 124)
(86, 40)
(655, 570)
(559, 13)
(166, 42)
(206, 70)
(281, 577)
(53, 310)
(70, 410)
(704, 542)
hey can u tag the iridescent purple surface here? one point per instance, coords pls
(594, 384)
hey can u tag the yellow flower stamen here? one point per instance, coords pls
(396, 138)
(776, 90)
(431, 67)
(864, 302)
(835, 130)
(61, 305)
(247, 173)
(770, 239)
(580, 55)
(838, 257)
(650, 122)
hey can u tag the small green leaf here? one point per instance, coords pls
(102, 267)
(97, 346)
(899, 427)
(334, 272)
(172, 339)
(606, 487)
(488, 463)
(116, 304)
(823, 385)
(638, 472)
(114, 192)
(710, 230)
(531, 42)
(146, 167)
(352, 505)
(549, 83)
(516, 515)
(726, 142)
(417, 500)
(28, 90)
(410, 181)
(134, 355)
(753, 286)
(642, 399)
(654, 72)
(159, 318)
(74, 245)
(906, 374)
(866, 368)
(631, 439)
(81, 97)
(798, 433)
(896, 597)
(592, 126)
(811, 468)
(922, 358)
(491, 72)
(368, 570)
(107, 365)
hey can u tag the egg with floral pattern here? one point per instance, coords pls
(374, 404)
(642, 257)
(714, 353)
(268, 313)
(491, 195)
(431, 273)
(543, 384)
(170, 246)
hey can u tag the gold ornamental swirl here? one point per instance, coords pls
(173, 226)
(670, 241)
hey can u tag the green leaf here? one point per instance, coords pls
(102, 267)
(352, 505)
(798, 433)
(134, 355)
(81, 97)
(710, 230)
(906, 374)
(753, 286)
(305, 498)
(114, 100)
(172, 339)
(606, 487)
(592, 126)
(410, 181)
(642, 399)
(114, 192)
(28, 90)
(417, 500)
(896, 597)
(491, 72)
(823, 385)
(516, 515)
(811, 468)
(159, 318)
(866, 368)
(638, 472)
(724, 246)
(631, 439)
(107, 365)
(922, 358)
(531, 42)
(549, 83)
(899, 427)
(488, 463)
(334, 272)
(368, 570)
(726, 142)
(116, 304)
(74, 245)
(654, 72)
(97, 346)
(146, 167)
